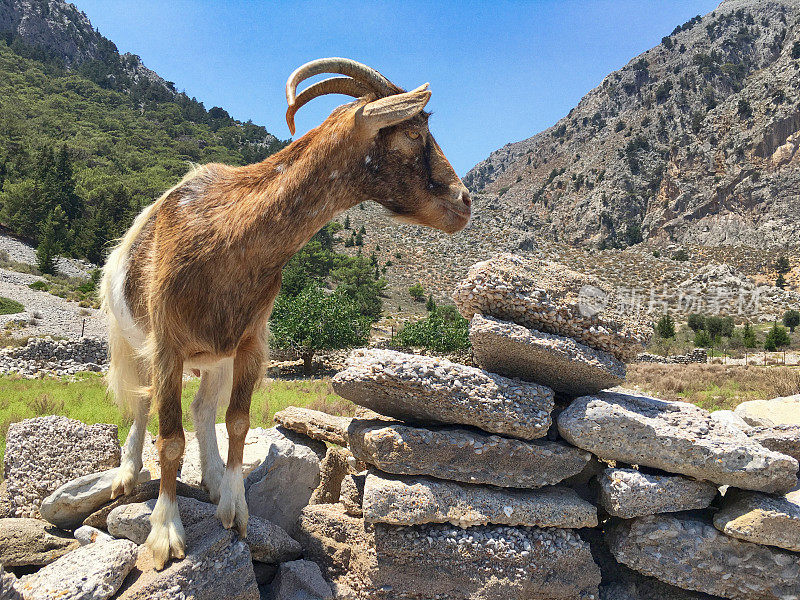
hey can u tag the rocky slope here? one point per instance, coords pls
(693, 141)
(59, 30)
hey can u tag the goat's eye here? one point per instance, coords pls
(413, 135)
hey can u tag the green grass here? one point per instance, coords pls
(9, 306)
(85, 399)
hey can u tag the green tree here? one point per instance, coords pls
(443, 330)
(780, 282)
(777, 338)
(749, 336)
(347, 221)
(665, 328)
(696, 322)
(702, 339)
(430, 305)
(356, 279)
(719, 327)
(53, 232)
(315, 320)
(417, 292)
(791, 319)
(782, 265)
(359, 239)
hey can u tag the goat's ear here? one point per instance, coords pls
(392, 109)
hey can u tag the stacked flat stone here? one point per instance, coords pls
(468, 481)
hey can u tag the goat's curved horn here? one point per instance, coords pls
(341, 66)
(332, 85)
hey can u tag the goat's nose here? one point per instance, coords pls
(465, 198)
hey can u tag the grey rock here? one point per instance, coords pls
(93, 572)
(630, 585)
(429, 561)
(352, 494)
(780, 438)
(561, 363)
(629, 493)
(730, 418)
(425, 388)
(132, 521)
(91, 535)
(283, 483)
(31, 542)
(68, 506)
(422, 500)
(44, 453)
(300, 580)
(688, 552)
(760, 518)
(269, 543)
(332, 471)
(465, 455)
(218, 566)
(676, 437)
(8, 586)
(315, 424)
(549, 297)
(768, 413)
(142, 493)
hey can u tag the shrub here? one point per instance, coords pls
(744, 109)
(796, 50)
(702, 339)
(777, 338)
(665, 328)
(782, 265)
(417, 292)
(444, 330)
(791, 319)
(696, 322)
(40, 285)
(780, 282)
(681, 255)
(9, 306)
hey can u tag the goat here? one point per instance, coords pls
(192, 283)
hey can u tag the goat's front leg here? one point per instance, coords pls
(167, 537)
(247, 364)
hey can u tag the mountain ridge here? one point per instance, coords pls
(678, 146)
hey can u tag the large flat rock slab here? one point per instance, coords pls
(93, 572)
(424, 388)
(69, 505)
(549, 297)
(767, 413)
(780, 438)
(628, 493)
(315, 424)
(688, 552)
(465, 455)
(32, 542)
(422, 500)
(44, 453)
(676, 437)
(429, 561)
(761, 518)
(566, 366)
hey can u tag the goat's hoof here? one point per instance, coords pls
(125, 480)
(212, 481)
(232, 511)
(166, 541)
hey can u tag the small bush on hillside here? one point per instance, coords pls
(681, 255)
(791, 319)
(777, 338)
(417, 292)
(782, 265)
(9, 306)
(665, 328)
(41, 286)
(444, 330)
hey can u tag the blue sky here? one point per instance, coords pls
(499, 71)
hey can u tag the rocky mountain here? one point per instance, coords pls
(57, 31)
(694, 141)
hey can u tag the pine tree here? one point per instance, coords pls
(430, 305)
(50, 245)
(780, 281)
(347, 221)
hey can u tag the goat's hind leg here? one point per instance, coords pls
(215, 387)
(247, 369)
(167, 537)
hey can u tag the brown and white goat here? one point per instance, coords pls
(191, 285)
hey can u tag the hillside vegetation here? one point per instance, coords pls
(79, 160)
